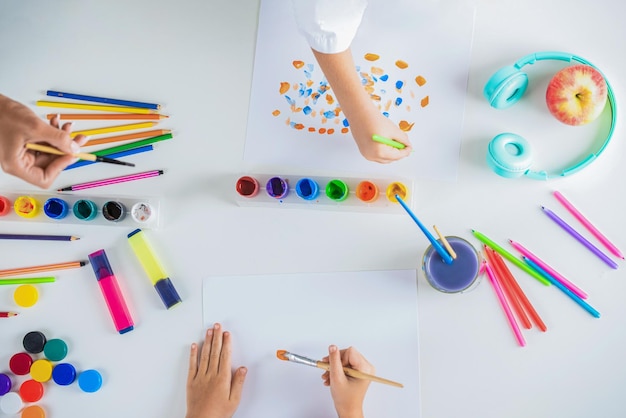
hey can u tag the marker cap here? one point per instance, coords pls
(100, 264)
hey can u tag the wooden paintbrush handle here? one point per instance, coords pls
(360, 375)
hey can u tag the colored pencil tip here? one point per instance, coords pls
(13, 314)
(83, 263)
(113, 161)
(73, 238)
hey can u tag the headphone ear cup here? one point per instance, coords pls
(505, 87)
(509, 155)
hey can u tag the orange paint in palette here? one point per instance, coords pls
(310, 104)
(321, 192)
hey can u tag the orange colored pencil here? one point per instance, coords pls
(112, 116)
(38, 269)
(138, 135)
(511, 292)
(522, 297)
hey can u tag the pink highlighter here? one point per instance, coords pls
(111, 292)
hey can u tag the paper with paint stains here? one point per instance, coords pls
(412, 59)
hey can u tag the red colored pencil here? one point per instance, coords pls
(522, 297)
(7, 314)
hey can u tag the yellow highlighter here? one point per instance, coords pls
(161, 282)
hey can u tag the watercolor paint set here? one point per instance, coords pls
(71, 209)
(323, 192)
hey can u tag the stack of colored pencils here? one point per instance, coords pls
(138, 117)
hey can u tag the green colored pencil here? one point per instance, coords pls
(504, 253)
(29, 280)
(388, 141)
(132, 145)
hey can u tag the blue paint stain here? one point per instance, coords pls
(310, 67)
(386, 114)
(308, 92)
(346, 123)
(398, 101)
(329, 114)
(307, 74)
(384, 77)
(307, 110)
(290, 100)
(399, 84)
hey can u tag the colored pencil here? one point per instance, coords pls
(106, 116)
(29, 280)
(388, 141)
(38, 269)
(118, 128)
(100, 108)
(509, 290)
(126, 153)
(528, 307)
(445, 242)
(564, 289)
(39, 237)
(81, 155)
(584, 241)
(571, 286)
(505, 306)
(587, 224)
(447, 258)
(156, 133)
(112, 180)
(131, 145)
(117, 102)
(519, 263)
(8, 314)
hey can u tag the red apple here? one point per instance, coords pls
(577, 94)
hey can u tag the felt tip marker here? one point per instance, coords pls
(111, 292)
(160, 280)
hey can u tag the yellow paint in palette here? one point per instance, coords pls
(27, 207)
(396, 188)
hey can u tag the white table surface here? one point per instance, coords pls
(196, 58)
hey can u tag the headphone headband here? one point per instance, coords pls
(495, 88)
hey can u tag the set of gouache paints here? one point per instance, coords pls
(71, 209)
(43, 360)
(322, 192)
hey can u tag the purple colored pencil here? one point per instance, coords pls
(584, 241)
(112, 180)
(39, 237)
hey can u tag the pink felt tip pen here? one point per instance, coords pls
(111, 292)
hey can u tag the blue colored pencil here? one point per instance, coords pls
(96, 99)
(564, 289)
(447, 258)
(125, 153)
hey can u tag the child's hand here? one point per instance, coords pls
(19, 126)
(213, 390)
(369, 122)
(348, 393)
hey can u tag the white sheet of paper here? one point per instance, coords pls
(374, 311)
(434, 38)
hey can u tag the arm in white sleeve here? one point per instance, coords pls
(329, 26)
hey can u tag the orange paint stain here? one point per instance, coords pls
(299, 126)
(330, 131)
(329, 99)
(420, 80)
(284, 87)
(322, 130)
(424, 101)
(401, 64)
(298, 64)
(377, 71)
(371, 57)
(344, 130)
(276, 112)
(311, 129)
(405, 126)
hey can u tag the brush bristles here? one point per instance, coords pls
(281, 354)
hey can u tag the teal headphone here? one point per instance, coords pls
(510, 155)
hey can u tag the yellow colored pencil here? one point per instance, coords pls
(107, 116)
(117, 128)
(445, 242)
(102, 108)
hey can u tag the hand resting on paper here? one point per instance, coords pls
(213, 389)
(19, 126)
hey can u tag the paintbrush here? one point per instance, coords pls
(81, 155)
(287, 356)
